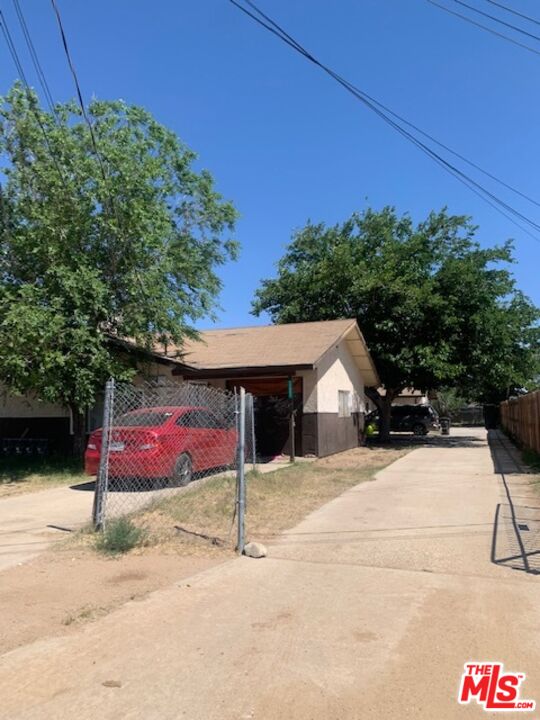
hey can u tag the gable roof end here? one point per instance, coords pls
(287, 345)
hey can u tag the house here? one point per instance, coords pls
(316, 370)
(408, 396)
(25, 418)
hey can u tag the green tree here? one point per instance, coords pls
(449, 401)
(436, 309)
(124, 242)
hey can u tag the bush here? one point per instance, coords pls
(120, 536)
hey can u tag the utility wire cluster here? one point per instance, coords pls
(22, 76)
(422, 140)
(452, 7)
(109, 200)
(407, 129)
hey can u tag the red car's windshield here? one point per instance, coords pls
(143, 419)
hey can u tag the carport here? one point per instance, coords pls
(273, 405)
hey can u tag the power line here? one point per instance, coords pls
(111, 200)
(17, 62)
(484, 27)
(369, 101)
(455, 153)
(486, 195)
(497, 20)
(514, 12)
(35, 59)
(78, 89)
(12, 49)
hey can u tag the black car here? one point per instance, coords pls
(418, 419)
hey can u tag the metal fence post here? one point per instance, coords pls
(103, 472)
(252, 427)
(240, 470)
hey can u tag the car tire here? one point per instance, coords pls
(419, 430)
(183, 471)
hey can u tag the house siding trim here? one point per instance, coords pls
(326, 433)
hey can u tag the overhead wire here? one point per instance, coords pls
(78, 90)
(110, 200)
(20, 69)
(34, 56)
(469, 20)
(498, 204)
(12, 49)
(497, 20)
(493, 177)
(514, 12)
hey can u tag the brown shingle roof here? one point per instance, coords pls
(288, 345)
(264, 346)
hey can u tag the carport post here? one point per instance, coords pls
(102, 479)
(290, 388)
(240, 470)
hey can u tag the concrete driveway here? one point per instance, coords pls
(367, 609)
(30, 523)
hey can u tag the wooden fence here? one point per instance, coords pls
(520, 417)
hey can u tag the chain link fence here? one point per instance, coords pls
(158, 443)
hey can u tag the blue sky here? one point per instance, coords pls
(283, 141)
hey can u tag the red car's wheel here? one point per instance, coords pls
(183, 471)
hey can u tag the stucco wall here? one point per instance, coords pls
(153, 372)
(309, 384)
(411, 400)
(219, 383)
(336, 371)
(27, 406)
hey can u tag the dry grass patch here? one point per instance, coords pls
(201, 519)
(23, 475)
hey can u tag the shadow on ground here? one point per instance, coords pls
(89, 486)
(436, 440)
(516, 528)
(147, 485)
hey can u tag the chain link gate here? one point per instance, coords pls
(160, 441)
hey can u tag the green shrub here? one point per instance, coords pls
(120, 536)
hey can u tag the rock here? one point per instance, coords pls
(255, 550)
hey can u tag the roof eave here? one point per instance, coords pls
(241, 371)
(369, 374)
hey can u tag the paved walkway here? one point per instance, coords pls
(366, 610)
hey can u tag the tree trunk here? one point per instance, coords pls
(385, 418)
(79, 432)
(384, 406)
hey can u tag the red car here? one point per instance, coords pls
(164, 443)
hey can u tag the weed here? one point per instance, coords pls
(120, 536)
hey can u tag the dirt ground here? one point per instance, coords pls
(368, 608)
(58, 591)
(72, 584)
(367, 456)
